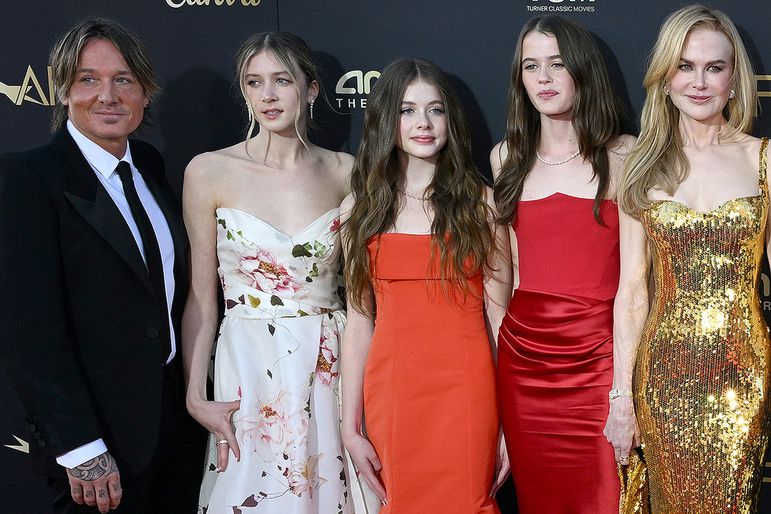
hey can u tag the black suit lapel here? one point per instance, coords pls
(93, 202)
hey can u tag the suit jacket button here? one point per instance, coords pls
(41, 443)
(152, 333)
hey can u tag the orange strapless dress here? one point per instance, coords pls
(429, 385)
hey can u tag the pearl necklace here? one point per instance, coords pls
(405, 193)
(556, 163)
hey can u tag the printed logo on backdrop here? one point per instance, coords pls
(353, 87)
(176, 4)
(764, 90)
(29, 88)
(561, 6)
(765, 292)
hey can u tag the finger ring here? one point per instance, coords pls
(221, 441)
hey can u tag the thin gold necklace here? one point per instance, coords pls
(405, 193)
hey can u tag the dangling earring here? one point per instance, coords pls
(312, 101)
(251, 114)
(731, 95)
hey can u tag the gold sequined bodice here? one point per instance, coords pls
(702, 372)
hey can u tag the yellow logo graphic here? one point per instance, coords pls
(30, 90)
(764, 93)
(358, 84)
(22, 447)
(176, 4)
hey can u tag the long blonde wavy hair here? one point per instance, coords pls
(658, 160)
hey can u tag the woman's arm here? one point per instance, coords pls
(357, 337)
(630, 311)
(497, 276)
(497, 295)
(199, 321)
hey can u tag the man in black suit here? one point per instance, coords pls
(93, 277)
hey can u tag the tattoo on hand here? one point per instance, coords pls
(95, 468)
(102, 493)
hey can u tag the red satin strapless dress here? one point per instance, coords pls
(429, 384)
(555, 357)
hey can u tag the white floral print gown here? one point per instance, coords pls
(277, 351)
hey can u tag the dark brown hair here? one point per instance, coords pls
(460, 231)
(596, 113)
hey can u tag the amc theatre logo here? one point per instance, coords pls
(30, 89)
(353, 87)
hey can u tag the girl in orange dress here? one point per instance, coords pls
(428, 278)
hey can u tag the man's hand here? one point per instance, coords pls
(96, 482)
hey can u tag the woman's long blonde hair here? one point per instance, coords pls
(658, 160)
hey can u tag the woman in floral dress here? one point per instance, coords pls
(263, 222)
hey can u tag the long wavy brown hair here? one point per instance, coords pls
(596, 114)
(460, 232)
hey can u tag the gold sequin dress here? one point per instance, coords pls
(701, 381)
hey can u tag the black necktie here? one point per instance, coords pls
(153, 259)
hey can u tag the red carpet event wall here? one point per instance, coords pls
(193, 43)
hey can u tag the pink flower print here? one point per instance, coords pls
(335, 226)
(273, 424)
(303, 476)
(263, 272)
(326, 365)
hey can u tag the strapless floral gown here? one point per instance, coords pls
(277, 351)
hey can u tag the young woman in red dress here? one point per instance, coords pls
(555, 179)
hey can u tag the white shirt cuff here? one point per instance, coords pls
(78, 456)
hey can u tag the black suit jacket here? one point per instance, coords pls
(82, 336)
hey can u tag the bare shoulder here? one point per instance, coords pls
(346, 207)
(752, 143)
(334, 160)
(337, 165)
(212, 169)
(217, 159)
(618, 150)
(202, 168)
(622, 145)
(753, 146)
(497, 155)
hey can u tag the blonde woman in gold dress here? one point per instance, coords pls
(691, 377)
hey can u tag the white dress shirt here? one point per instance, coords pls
(104, 163)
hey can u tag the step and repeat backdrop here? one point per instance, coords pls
(194, 42)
